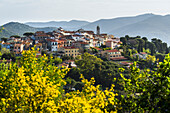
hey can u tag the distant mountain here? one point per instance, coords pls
(64, 24)
(154, 27)
(108, 25)
(148, 25)
(15, 28)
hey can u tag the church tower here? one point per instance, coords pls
(98, 30)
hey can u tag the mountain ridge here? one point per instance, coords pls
(148, 25)
(16, 28)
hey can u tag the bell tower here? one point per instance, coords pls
(98, 30)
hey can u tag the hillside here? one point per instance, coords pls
(107, 25)
(149, 25)
(15, 28)
(64, 24)
(154, 27)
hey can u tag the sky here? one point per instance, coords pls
(66, 10)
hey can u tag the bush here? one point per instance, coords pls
(33, 85)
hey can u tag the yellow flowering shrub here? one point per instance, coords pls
(90, 100)
(36, 85)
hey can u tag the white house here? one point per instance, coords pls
(52, 44)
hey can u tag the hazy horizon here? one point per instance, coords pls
(85, 10)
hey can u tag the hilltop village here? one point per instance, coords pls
(67, 43)
(79, 62)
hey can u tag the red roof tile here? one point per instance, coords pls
(113, 50)
(118, 58)
(70, 47)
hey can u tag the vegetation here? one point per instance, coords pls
(28, 34)
(15, 28)
(90, 66)
(34, 85)
(146, 90)
(140, 44)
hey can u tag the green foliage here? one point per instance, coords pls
(104, 72)
(149, 62)
(64, 57)
(107, 48)
(160, 57)
(4, 50)
(4, 39)
(8, 56)
(15, 28)
(145, 90)
(15, 36)
(56, 60)
(94, 50)
(143, 45)
(28, 34)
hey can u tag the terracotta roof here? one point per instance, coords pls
(69, 31)
(89, 32)
(109, 41)
(39, 32)
(95, 40)
(85, 43)
(52, 40)
(126, 63)
(113, 50)
(70, 47)
(119, 42)
(97, 48)
(119, 58)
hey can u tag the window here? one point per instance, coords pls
(69, 54)
(66, 51)
(75, 54)
(75, 50)
(72, 50)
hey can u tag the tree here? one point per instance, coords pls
(4, 39)
(145, 90)
(87, 62)
(36, 85)
(15, 36)
(8, 56)
(4, 50)
(152, 47)
(145, 39)
(89, 66)
(141, 44)
(160, 57)
(28, 34)
(124, 40)
(57, 60)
